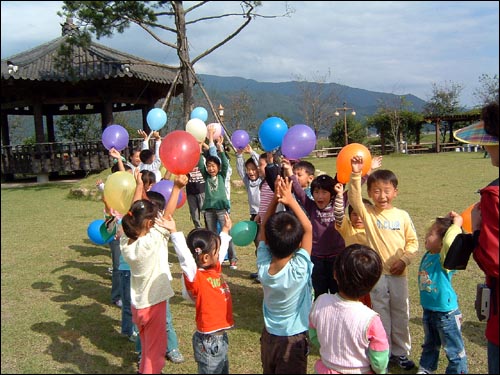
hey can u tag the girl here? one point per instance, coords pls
(144, 248)
(200, 257)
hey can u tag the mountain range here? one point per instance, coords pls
(284, 97)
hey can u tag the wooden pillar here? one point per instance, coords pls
(5, 129)
(38, 114)
(438, 121)
(107, 114)
(50, 127)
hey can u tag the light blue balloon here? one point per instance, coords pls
(157, 118)
(271, 133)
(199, 113)
(94, 233)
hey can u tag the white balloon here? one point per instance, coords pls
(197, 129)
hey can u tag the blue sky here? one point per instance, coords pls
(397, 47)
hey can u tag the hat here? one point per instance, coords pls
(475, 134)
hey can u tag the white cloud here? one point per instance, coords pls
(401, 47)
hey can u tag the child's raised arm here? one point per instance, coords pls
(179, 182)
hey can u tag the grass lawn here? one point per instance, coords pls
(56, 311)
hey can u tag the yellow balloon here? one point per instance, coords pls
(119, 191)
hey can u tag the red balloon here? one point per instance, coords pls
(344, 161)
(466, 215)
(179, 152)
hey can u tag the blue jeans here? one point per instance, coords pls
(114, 246)
(443, 329)
(493, 351)
(127, 324)
(210, 352)
(212, 217)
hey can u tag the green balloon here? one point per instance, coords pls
(243, 232)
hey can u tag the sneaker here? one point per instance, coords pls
(422, 370)
(133, 336)
(175, 356)
(233, 265)
(118, 303)
(402, 361)
(254, 275)
(110, 270)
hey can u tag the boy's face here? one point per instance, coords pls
(382, 194)
(135, 159)
(322, 198)
(356, 221)
(433, 241)
(303, 177)
(262, 168)
(212, 168)
(252, 171)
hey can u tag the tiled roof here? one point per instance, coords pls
(92, 63)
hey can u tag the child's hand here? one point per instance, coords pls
(376, 163)
(357, 163)
(227, 223)
(248, 149)
(98, 182)
(138, 177)
(167, 222)
(156, 135)
(287, 167)
(456, 218)
(143, 134)
(339, 188)
(284, 191)
(398, 267)
(181, 180)
(114, 153)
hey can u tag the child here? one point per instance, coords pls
(200, 257)
(390, 231)
(284, 266)
(304, 171)
(195, 195)
(151, 161)
(441, 317)
(144, 248)
(216, 203)
(350, 335)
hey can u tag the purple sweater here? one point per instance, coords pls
(327, 241)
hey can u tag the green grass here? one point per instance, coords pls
(56, 315)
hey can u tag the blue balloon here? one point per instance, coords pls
(271, 133)
(94, 232)
(199, 113)
(156, 118)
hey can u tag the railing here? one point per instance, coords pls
(63, 157)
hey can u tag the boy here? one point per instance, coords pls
(390, 231)
(304, 171)
(151, 161)
(285, 268)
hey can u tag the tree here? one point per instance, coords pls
(78, 128)
(488, 92)
(316, 102)
(104, 18)
(444, 101)
(241, 114)
(357, 133)
(393, 110)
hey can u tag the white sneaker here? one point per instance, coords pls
(118, 303)
(422, 370)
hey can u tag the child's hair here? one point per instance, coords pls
(306, 166)
(324, 182)
(365, 201)
(202, 241)
(489, 115)
(157, 198)
(148, 177)
(384, 175)
(283, 234)
(263, 156)
(145, 155)
(134, 221)
(441, 224)
(250, 161)
(213, 159)
(357, 269)
(115, 167)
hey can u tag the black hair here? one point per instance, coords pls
(489, 115)
(250, 160)
(305, 165)
(202, 241)
(157, 198)
(382, 175)
(357, 269)
(324, 182)
(365, 201)
(145, 155)
(213, 159)
(115, 167)
(135, 220)
(441, 224)
(148, 177)
(283, 234)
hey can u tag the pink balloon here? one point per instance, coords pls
(218, 129)
(179, 152)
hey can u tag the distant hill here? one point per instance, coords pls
(283, 97)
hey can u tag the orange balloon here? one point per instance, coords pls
(466, 215)
(344, 161)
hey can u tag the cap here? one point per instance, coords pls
(475, 134)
